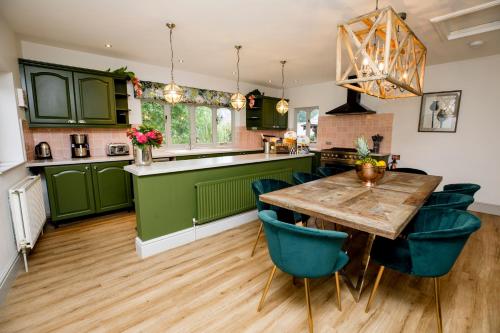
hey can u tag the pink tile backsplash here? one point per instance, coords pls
(341, 131)
(60, 144)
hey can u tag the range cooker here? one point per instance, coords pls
(344, 158)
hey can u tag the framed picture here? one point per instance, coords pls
(439, 111)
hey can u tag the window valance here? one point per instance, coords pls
(154, 91)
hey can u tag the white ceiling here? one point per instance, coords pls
(301, 31)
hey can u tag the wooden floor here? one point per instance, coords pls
(87, 277)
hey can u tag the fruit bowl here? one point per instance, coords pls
(369, 174)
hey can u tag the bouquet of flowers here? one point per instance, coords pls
(145, 136)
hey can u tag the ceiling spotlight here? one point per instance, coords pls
(234, 72)
(476, 43)
(270, 81)
(107, 45)
(181, 61)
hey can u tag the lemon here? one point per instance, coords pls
(381, 163)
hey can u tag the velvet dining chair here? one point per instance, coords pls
(262, 186)
(303, 177)
(449, 200)
(462, 188)
(429, 250)
(324, 171)
(290, 248)
(410, 170)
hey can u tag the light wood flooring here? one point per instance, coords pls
(88, 278)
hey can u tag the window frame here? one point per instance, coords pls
(167, 113)
(308, 110)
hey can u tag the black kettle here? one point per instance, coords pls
(42, 151)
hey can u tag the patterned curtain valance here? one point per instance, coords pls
(154, 90)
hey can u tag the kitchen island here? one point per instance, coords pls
(178, 202)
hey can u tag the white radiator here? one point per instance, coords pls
(28, 213)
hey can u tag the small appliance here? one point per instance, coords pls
(79, 145)
(117, 149)
(42, 151)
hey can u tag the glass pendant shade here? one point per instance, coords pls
(238, 101)
(173, 93)
(282, 107)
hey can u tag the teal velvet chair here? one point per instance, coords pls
(329, 171)
(449, 200)
(410, 170)
(303, 177)
(262, 186)
(303, 252)
(462, 188)
(430, 250)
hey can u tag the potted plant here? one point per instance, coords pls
(368, 169)
(144, 138)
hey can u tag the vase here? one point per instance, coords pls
(369, 174)
(143, 156)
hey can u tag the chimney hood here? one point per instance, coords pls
(353, 105)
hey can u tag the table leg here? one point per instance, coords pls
(357, 289)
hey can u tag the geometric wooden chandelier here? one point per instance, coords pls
(383, 56)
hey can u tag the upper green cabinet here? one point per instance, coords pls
(264, 115)
(51, 99)
(62, 96)
(112, 188)
(95, 101)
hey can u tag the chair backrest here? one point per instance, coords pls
(449, 200)
(410, 170)
(329, 171)
(303, 177)
(299, 251)
(462, 188)
(262, 186)
(438, 238)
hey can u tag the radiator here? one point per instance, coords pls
(28, 213)
(230, 196)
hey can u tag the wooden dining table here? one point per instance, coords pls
(382, 210)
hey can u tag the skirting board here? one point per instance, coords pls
(485, 208)
(160, 244)
(7, 280)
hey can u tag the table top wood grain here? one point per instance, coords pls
(383, 210)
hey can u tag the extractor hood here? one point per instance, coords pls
(353, 105)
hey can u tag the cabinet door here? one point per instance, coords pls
(51, 97)
(95, 100)
(281, 121)
(268, 111)
(112, 189)
(70, 191)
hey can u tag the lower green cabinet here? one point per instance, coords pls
(84, 189)
(111, 186)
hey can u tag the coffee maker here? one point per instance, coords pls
(79, 145)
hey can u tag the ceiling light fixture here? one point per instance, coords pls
(107, 45)
(238, 101)
(383, 53)
(172, 93)
(282, 106)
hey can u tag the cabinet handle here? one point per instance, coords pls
(86, 168)
(95, 167)
(81, 121)
(71, 121)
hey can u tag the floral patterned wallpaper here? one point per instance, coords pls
(154, 91)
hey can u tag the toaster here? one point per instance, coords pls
(117, 149)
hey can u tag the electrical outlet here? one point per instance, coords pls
(328, 143)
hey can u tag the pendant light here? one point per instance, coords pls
(282, 106)
(238, 101)
(383, 53)
(172, 93)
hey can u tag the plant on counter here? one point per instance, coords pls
(144, 136)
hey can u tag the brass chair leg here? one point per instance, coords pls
(257, 240)
(438, 305)
(266, 288)
(323, 224)
(337, 284)
(375, 286)
(308, 301)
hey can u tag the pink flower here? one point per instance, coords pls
(151, 135)
(141, 138)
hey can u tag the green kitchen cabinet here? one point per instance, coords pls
(112, 189)
(95, 99)
(71, 192)
(51, 99)
(84, 189)
(265, 116)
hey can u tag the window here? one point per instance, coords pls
(307, 122)
(190, 125)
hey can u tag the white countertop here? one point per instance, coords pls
(160, 153)
(206, 163)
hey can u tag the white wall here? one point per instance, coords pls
(143, 71)
(9, 126)
(470, 155)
